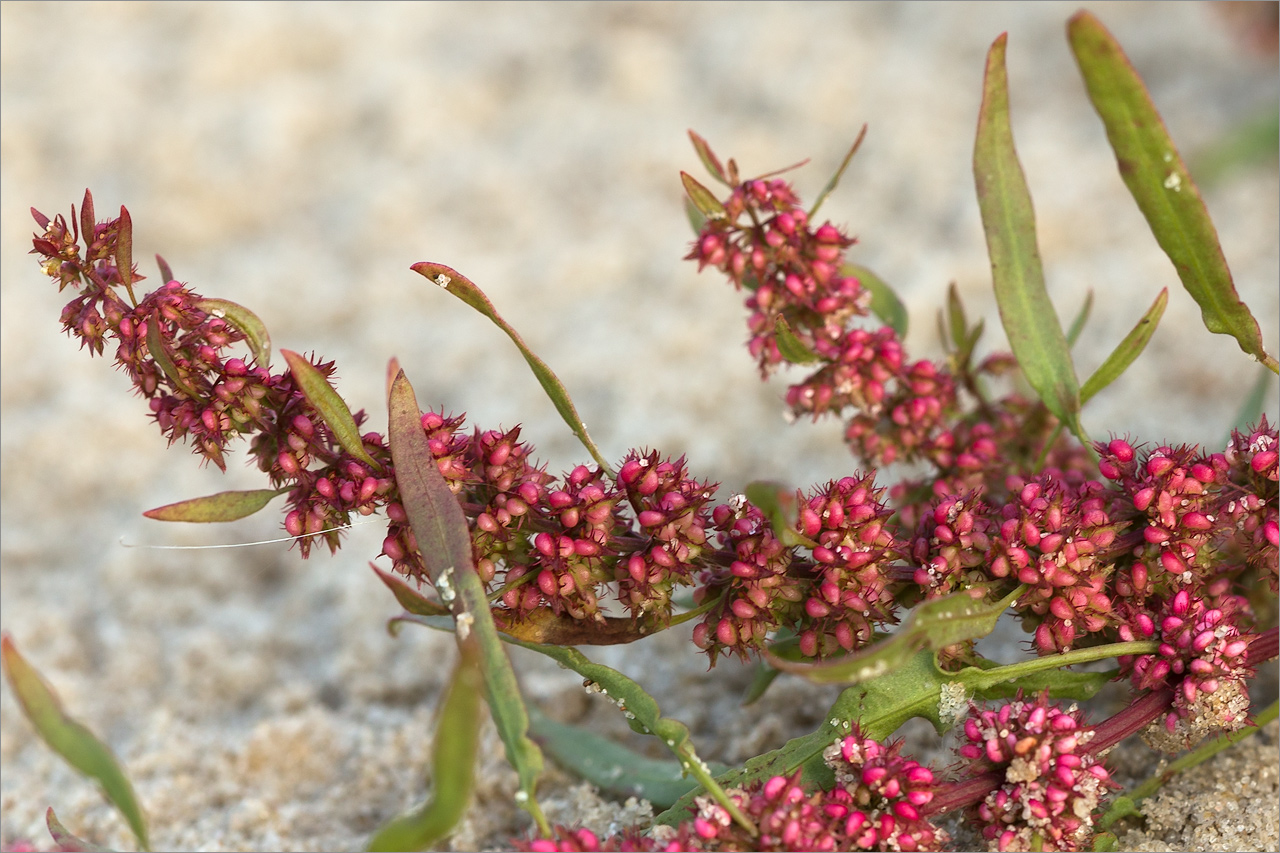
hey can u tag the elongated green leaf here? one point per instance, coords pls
(835, 179)
(885, 304)
(67, 842)
(329, 405)
(247, 322)
(1159, 181)
(410, 599)
(463, 288)
(1127, 350)
(931, 625)
(1008, 218)
(1252, 405)
(444, 542)
(790, 347)
(703, 199)
(67, 737)
(1077, 325)
(612, 767)
(224, 506)
(643, 716)
(708, 158)
(159, 352)
(695, 217)
(453, 767)
(778, 503)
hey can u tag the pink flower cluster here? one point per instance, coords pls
(1049, 786)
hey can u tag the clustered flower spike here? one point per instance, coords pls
(1050, 787)
(1203, 656)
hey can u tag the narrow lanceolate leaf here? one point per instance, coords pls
(835, 179)
(612, 767)
(885, 304)
(703, 199)
(66, 841)
(1252, 405)
(246, 322)
(166, 272)
(67, 737)
(1078, 324)
(791, 347)
(329, 405)
(931, 625)
(410, 599)
(1029, 319)
(453, 768)
(224, 506)
(1158, 179)
(708, 158)
(463, 288)
(158, 351)
(642, 714)
(124, 252)
(444, 542)
(1127, 350)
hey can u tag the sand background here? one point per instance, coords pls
(298, 158)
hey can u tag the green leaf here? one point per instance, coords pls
(791, 347)
(885, 304)
(643, 716)
(1077, 325)
(1159, 181)
(931, 625)
(762, 676)
(835, 179)
(247, 322)
(67, 842)
(1061, 683)
(224, 506)
(1253, 404)
(778, 503)
(453, 768)
(463, 288)
(329, 405)
(1127, 350)
(708, 158)
(703, 199)
(158, 351)
(410, 599)
(612, 767)
(67, 737)
(695, 217)
(1008, 218)
(444, 542)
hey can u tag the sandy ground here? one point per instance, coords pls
(298, 158)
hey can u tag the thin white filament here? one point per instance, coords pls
(245, 544)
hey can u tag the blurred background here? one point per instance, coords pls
(297, 158)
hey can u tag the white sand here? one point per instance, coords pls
(299, 158)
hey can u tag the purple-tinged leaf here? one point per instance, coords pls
(885, 304)
(158, 351)
(68, 843)
(67, 737)
(462, 287)
(1159, 181)
(708, 158)
(791, 347)
(224, 506)
(1127, 350)
(124, 252)
(166, 273)
(88, 222)
(453, 764)
(410, 599)
(835, 179)
(444, 543)
(703, 199)
(329, 405)
(1008, 218)
(246, 322)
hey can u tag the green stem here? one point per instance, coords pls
(987, 678)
